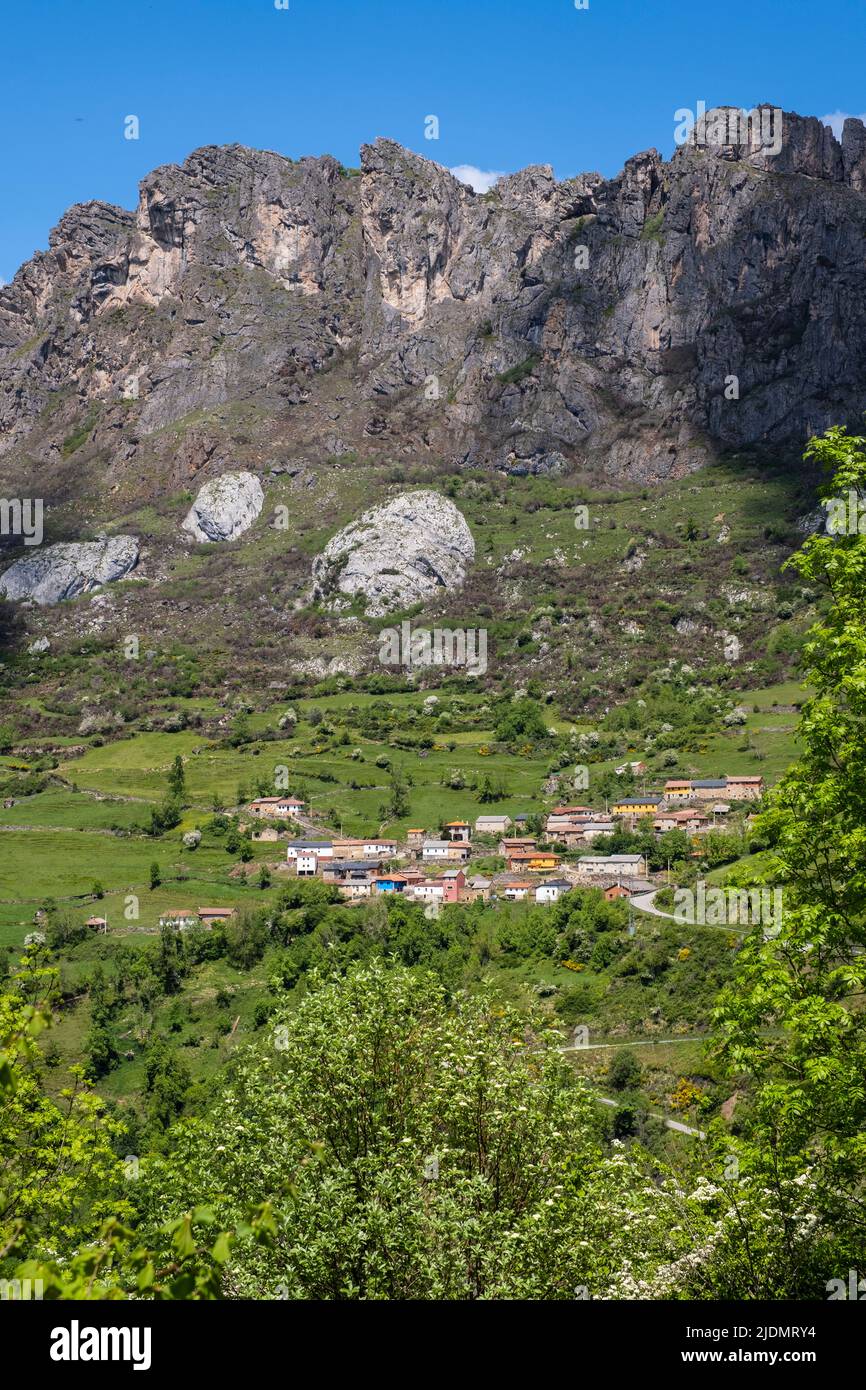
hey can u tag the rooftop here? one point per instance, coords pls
(610, 858)
(355, 865)
(261, 800)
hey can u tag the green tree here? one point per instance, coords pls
(155, 876)
(624, 1070)
(240, 730)
(59, 1177)
(792, 1022)
(166, 1083)
(522, 720)
(493, 787)
(100, 1050)
(169, 965)
(177, 780)
(397, 805)
(451, 1158)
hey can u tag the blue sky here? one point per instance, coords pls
(512, 82)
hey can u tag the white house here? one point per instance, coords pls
(322, 849)
(306, 863)
(614, 865)
(492, 825)
(430, 890)
(593, 829)
(444, 849)
(283, 806)
(179, 917)
(514, 892)
(552, 890)
(384, 847)
(562, 817)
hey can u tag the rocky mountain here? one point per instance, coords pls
(266, 349)
(541, 326)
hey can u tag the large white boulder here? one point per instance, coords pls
(57, 572)
(225, 507)
(397, 554)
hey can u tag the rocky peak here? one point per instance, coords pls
(854, 153)
(397, 311)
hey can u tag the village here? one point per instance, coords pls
(435, 867)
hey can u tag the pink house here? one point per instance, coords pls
(453, 883)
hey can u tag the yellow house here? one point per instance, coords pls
(645, 805)
(677, 789)
(536, 860)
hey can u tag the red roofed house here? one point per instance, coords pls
(516, 890)
(209, 915)
(536, 860)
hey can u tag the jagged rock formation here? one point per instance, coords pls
(64, 571)
(396, 555)
(254, 305)
(225, 507)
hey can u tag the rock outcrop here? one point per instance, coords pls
(397, 554)
(225, 507)
(64, 571)
(634, 326)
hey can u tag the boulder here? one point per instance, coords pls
(397, 554)
(225, 507)
(64, 571)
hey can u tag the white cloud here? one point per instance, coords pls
(482, 180)
(836, 120)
